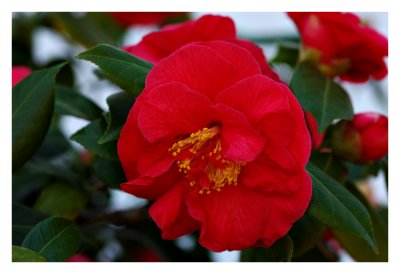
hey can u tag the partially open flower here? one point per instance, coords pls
(362, 140)
(160, 44)
(342, 45)
(219, 146)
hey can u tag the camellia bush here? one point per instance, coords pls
(226, 151)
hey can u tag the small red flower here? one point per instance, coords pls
(143, 18)
(342, 45)
(19, 73)
(362, 140)
(158, 45)
(219, 146)
(316, 137)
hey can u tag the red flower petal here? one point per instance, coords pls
(259, 56)
(239, 140)
(173, 110)
(143, 18)
(155, 160)
(374, 142)
(131, 145)
(204, 69)
(286, 209)
(255, 96)
(267, 176)
(300, 145)
(171, 215)
(152, 188)
(158, 45)
(231, 219)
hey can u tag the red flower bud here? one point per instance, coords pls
(342, 45)
(19, 73)
(362, 140)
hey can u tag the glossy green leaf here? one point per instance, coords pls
(319, 95)
(306, 233)
(89, 137)
(331, 165)
(108, 171)
(23, 220)
(280, 251)
(55, 143)
(70, 102)
(288, 53)
(119, 105)
(333, 205)
(22, 254)
(124, 69)
(356, 246)
(56, 239)
(61, 200)
(32, 108)
(25, 183)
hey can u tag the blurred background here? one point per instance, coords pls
(42, 39)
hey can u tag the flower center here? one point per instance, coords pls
(200, 159)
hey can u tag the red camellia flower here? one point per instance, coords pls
(219, 146)
(158, 45)
(143, 18)
(341, 44)
(19, 73)
(362, 140)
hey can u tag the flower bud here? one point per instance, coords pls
(362, 140)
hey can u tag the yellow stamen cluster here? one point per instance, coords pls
(195, 141)
(222, 176)
(219, 170)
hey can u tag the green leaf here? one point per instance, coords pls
(32, 108)
(70, 102)
(306, 233)
(55, 143)
(60, 168)
(55, 238)
(89, 136)
(280, 251)
(88, 29)
(108, 171)
(319, 95)
(25, 182)
(22, 254)
(356, 246)
(61, 200)
(119, 104)
(330, 164)
(126, 70)
(23, 220)
(288, 53)
(333, 205)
